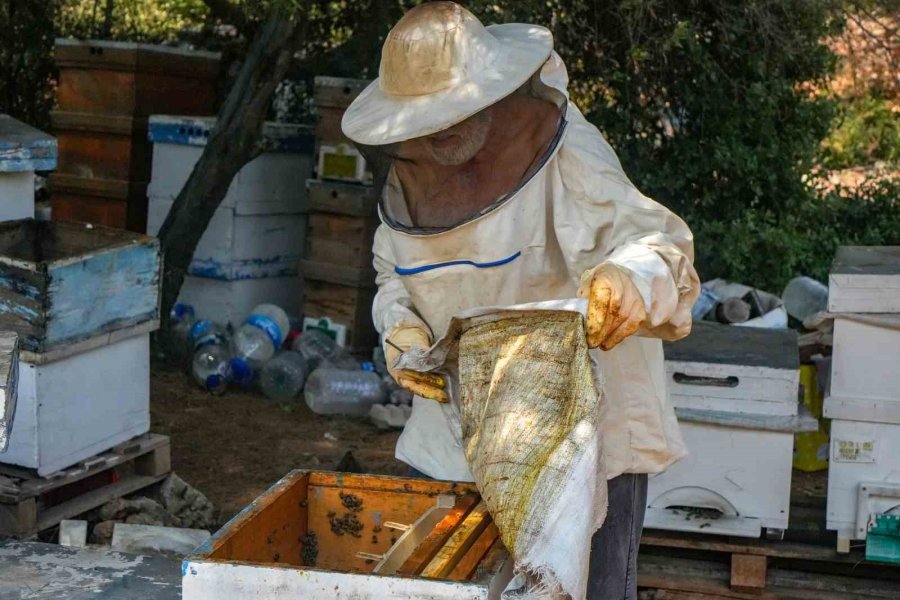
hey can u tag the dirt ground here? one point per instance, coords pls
(233, 447)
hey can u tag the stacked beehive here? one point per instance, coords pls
(251, 249)
(735, 393)
(864, 400)
(337, 267)
(106, 92)
(83, 300)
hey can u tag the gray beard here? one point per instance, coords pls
(468, 146)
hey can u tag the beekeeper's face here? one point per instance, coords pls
(459, 144)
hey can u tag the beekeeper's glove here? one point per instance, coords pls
(426, 385)
(615, 306)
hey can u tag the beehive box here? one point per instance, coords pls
(122, 78)
(230, 301)
(863, 476)
(734, 481)
(23, 150)
(865, 279)
(272, 183)
(332, 96)
(337, 267)
(237, 246)
(304, 536)
(865, 369)
(64, 285)
(74, 407)
(734, 369)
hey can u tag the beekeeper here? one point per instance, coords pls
(496, 191)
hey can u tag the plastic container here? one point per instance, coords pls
(320, 350)
(343, 392)
(803, 297)
(206, 332)
(704, 303)
(283, 376)
(182, 317)
(211, 368)
(256, 341)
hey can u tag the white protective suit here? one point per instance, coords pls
(576, 211)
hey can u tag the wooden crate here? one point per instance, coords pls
(118, 78)
(346, 305)
(62, 283)
(30, 503)
(318, 535)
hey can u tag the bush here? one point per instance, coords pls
(868, 130)
(26, 63)
(767, 249)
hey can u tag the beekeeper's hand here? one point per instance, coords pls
(426, 385)
(615, 306)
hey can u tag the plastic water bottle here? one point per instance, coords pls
(211, 367)
(283, 376)
(343, 392)
(803, 297)
(182, 317)
(206, 332)
(256, 341)
(320, 350)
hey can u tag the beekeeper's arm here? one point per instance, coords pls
(632, 256)
(401, 328)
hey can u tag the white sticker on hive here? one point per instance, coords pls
(859, 451)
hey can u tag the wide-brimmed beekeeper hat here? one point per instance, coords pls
(439, 66)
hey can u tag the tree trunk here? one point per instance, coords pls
(234, 141)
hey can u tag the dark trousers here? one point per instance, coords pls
(614, 549)
(613, 568)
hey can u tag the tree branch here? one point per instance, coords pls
(229, 13)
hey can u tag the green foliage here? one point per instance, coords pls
(766, 249)
(150, 21)
(26, 63)
(868, 130)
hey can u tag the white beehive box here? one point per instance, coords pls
(735, 481)
(240, 246)
(734, 369)
(232, 301)
(863, 476)
(272, 183)
(865, 369)
(75, 407)
(23, 150)
(865, 279)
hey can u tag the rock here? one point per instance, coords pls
(349, 464)
(102, 532)
(187, 504)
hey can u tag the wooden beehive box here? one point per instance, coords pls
(304, 536)
(70, 285)
(332, 96)
(107, 90)
(337, 268)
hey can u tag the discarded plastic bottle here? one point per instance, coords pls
(256, 341)
(182, 317)
(320, 350)
(803, 297)
(211, 367)
(206, 332)
(283, 376)
(343, 392)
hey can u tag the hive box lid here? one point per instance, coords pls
(130, 56)
(195, 131)
(24, 148)
(865, 279)
(730, 345)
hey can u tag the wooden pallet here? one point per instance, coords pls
(688, 566)
(29, 503)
